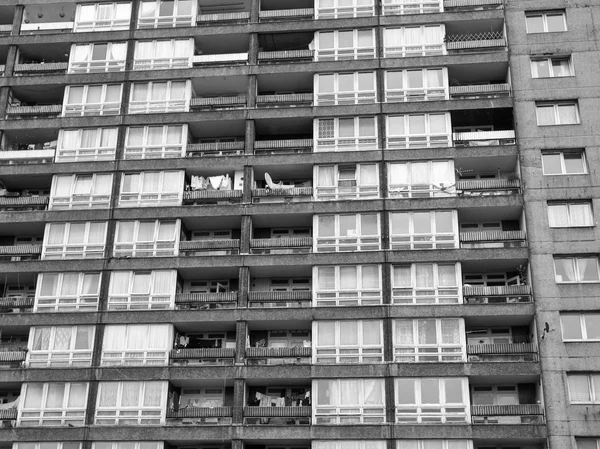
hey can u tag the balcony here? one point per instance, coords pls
(484, 138)
(198, 197)
(476, 294)
(275, 356)
(476, 41)
(484, 187)
(473, 4)
(229, 17)
(37, 111)
(201, 301)
(493, 239)
(5, 29)
(42, 68)
(291, 195)
(16, 304)
(202, 356)
(23, 203)
(205, 247)
(284, 146)
(200, 416)
(215, 149)
(480, 91)
(506, 352)
(285, 56)
(232, 102)
(8, 414)
(286, 14)
(15, 253)
(284, 100)
(41, 156)
(279, 416)
(220, 59)
(508, 414)
(12, 356)
(46, 28)
(283, 245)
(279, 299)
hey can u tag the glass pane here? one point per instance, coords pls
(325, 333)
(326, 83)
(430, 391)
(556, 22)
(422, 222)
(349, 333)
(416, 124)
(588, 269)
(372, 332)
(414, 79)
(443, 222)
(399, 222)
(346, 82)
(571, 327)
(545, 115)
(567, 114)
(541, 68)
(454, 393)
(574, 163)
(370, 277)
(405, 391)
(592, 326)
(535, 24)
(369, 224)
(552, 164)
(394, 80)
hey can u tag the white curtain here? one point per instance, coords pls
(81, 53)
(125, 231)
(447, 275)
(174, 134)
(545, 115)
(113, 93)
(123, 11)
(450, 331)
(141, 283)
(424, 275)
(426, 332)
(148, 8)
(419, 173)
(373, 389)
(48, 284)
(89, 137)
(159, 336)
(565, 270)
(350, 392)
(62, 185)
(41, 338)
(69, 139)
(119, 282)
(558, 215)
(326, 278)
(178, 90)
(153, 394)
(107, 396)
(97, 233)
(130, 394)
(164, 282)
(151, 182)
(137, 336)
(103, 184)
(56, 233)
(579, 389)
(114, 337)
(172, 182)
(62, 338)
(83, 185)
(144, 50)
(348, 333)
(325, 176)
(166, 231)
(433, 35)
(87, 13)
(159, 91)
(348, 278)
(404, 334)
(442, 172)
(580, 214)
(140, 92)
(438, 124)
(407, 444)
(70, 284)
(33, 395)
(368, 175)
(135, 137)
(402, 276)
(392, 37)
(55, 395)
(145, 231)
(567, 114)
(183, 48)
(435, 78)
(118, 51)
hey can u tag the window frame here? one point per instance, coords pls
(141, 301)
(96, 152)
(338, 296)
(544, 15)
(408, 7)
(424, 240)
(549, 61)
(340, 97)
(336, 142)
(123, 355)
(576, 270)
(341, 444)
(44, 445)
(84, 250)
(429, 352)
(556, 105)
(587, 439)
(591, 387)
(342, 192)
(36, 416)
(85, 109)
(337, 413)
(421, 49)
(98, 196)
(163, 150)
(337, 353)
(569, 219)
(51, 357)
(562, 162)
(90, 65)
(113, 24)
(337, 53)
(408, 140)
(138, 414)
(583, 328)
(423, 444)
(151, 106)
(344, 12)
(424, 93)
(148, 248)
(340, 243)
(175, 20)
(434, 294)
(431, 189)
(60, 302)
(160, 62)
(138, 197)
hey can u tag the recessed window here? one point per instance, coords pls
(546, 22)
(576, 270)
(554, 67)
(570, 215)
(584, 388)
(588, 443)
(580, 326)
(557, 113)
(564, 163)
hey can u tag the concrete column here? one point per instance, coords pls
(248, 184)
(253, 49)
(252, 91)
(243, 286)
(249, 137)
(239, 396)
(246, 234)
(91, 401)
(241, 332)
(11, 60)
(388, 344)
(4, 94)
(254, 11)
(17, 19)
(386, 283)
(390, 400)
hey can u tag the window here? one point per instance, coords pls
(570, 215)
(131, 403)
(421, 179)
(166, 96)
(558, 113)
(160, 55)
(60, 346)
(128, 445)
(147, 238)
(356, 232)
(47, 445)
(429, 340)
(88, 144)
(345, 182)
(136, 344)
(580, 326)
(585, 443)
(418, 131)
(348, 401)
(435, 444)
(152, 188)
(345, 88)
(344, 45)
(576, 269)
(53, 404)
(67, 292)
(401, 7)
(345, 134)
(553, 67)
(564, 163)
(546, 22)
(102, 17)
(584, 388)
(416, 85)
(167, 13)
(356, 341)
(432, 400)
(339, 9)
(142, 290)
(80, 191)
(426, 40)
(103, 99)
(347, 285)
(155, 142)
(423, 230)
(350, 444)
(426, 283)
(95, 58)
(74, 240)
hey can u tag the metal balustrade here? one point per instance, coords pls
(214, 149)
(285, 55)
(481, 238)
(473, 4)
(8, 304)
(283, 245)
(501, 414)
(41, 111)
(479, 294)
(207, 19)
(202, 356)
(286, 14)
(296, 191)
(503, 352)
(283, 146)
(24, 202)
(484, 138)
(41, 68)
(20, 252)
(480, 91)
(290, 100)
(238, 101)
(206, 300)
(490, 39)
(488, 186)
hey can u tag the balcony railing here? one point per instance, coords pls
(9, 414)
(502, 414)
(488, 186)
(41, 111)
(210, 196)
(291, 195)
(201, 415)
(46, 28)
(11, 357)
(233, 102)
(296, 351)
(15, 253)
(280, 299)
(5, 29)
(196, 247)
(220, 59)
(477, 294)
(284, 100)
(283, 146)
(286, 14)
(277, 415)
(480, 91)
(27, 156)
(202, 356)
(44, 68)
(214, 149)
(473, 4)
(9, 304)
(284, 245)
(205, 300)
(484, 138)
(492, 239)
(24, 203)
(286, 55)
(207, 19)
(505, 352)
(490, 39)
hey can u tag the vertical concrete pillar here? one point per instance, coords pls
(249, 137)
(254, 11)
(11, 60)
(17, 19)
(241, 332)
(239, 397)
(243, 286)
(253, 49)
(390, 400)
(246, 234)
(252, 91)
(248, 184)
